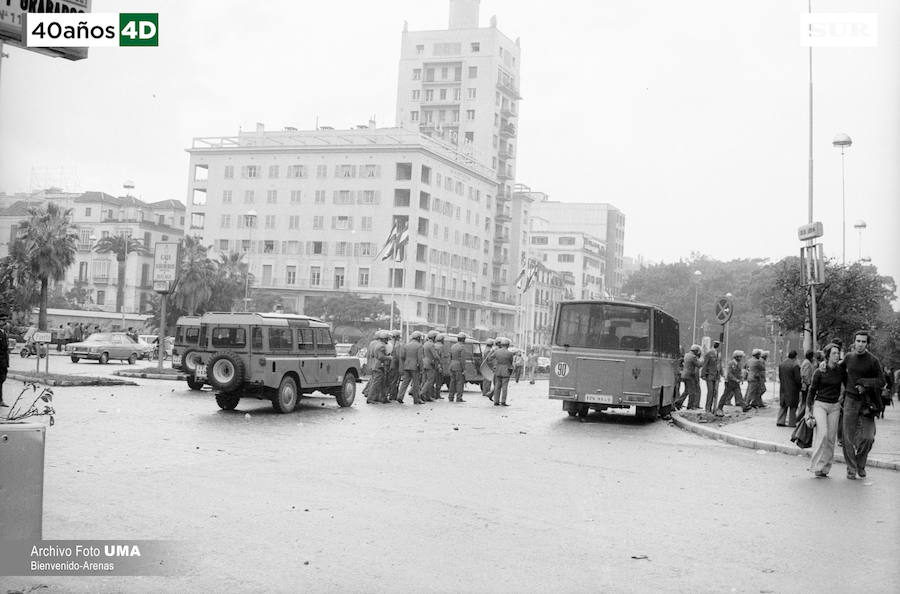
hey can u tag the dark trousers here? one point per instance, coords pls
(754, 393)
(712, 391)
(801, 406)
(501, 386)
(428, 382)
(732, 390)
(457, 384)
(410, 377)
(859, 435)
(486, 388)
(787, 408)
(374, 390)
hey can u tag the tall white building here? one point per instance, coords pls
(312, 209)
(461, 84)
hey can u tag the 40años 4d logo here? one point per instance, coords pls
(92, 29)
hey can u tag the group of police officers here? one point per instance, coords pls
(429, 361)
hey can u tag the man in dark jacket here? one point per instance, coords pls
(410, 364)
(709, 371)
(862, 403)
(457, 368)
(4, 354)
(690, 375)
(501, 361)
(430, 365)
(789, 392)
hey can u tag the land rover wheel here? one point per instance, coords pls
(347, 393)
(104, 359)
(189, 360)
(193, 383)
(285, 399)
(228, 401)
(226, 371)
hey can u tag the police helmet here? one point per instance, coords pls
(503, 341)
(416, 335)
(695, 348)
(738, 354)
(382, 335)
(489, 342)
(440, 337)
(432, 334)
(756, 352)
(396, 333)
(461, 337)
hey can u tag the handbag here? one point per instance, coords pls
(802, 435)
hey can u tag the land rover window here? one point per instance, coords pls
(256, 336)
(280, 339)
(305, 340)
(323, 340)
(229, 338)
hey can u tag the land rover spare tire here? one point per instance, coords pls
(225, 371)
(189, 360)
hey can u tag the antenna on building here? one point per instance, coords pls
(128, 185)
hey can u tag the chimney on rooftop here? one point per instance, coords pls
(464, 14)
(260, 127)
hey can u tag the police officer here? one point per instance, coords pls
(457, 368)
(410, 364)
(502, 360)
(487, 389)
(430, 366)
(371, 361)
(380, 361)
(393, 375)
(443, 375)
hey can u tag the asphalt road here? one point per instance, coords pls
(448, 498)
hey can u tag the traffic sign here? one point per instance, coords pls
(42, 337)
(165, 263)
(724, 309)
(810, 231)
(161, 286)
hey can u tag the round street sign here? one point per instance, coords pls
(724, 309)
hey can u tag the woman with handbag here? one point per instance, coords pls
(822, 400)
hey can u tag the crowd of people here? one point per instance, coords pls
(421, 367)
(837, 394)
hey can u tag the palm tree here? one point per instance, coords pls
(121, 245)
(49, 240)
(19, 288)
(196, 277)
(233, 271)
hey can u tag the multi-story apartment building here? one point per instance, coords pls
(604, 223)
(97, 215)
(312, 210)
(461, 84)
(573, 253)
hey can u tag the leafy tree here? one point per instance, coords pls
(195, 278)
(852, 297)
(19, 287)
(886, 345)
(49, 244)
(121, 245)
(347, 308)
(229, 283)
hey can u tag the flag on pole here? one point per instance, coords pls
(527, 274)
(394, 246)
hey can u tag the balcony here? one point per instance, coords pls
(508, 130)
(508, 88)
(504, 175)
(505, 154)
(507, 112)
(501, 238)
(503, 215)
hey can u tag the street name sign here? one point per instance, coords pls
(810, 231)
(42, 337)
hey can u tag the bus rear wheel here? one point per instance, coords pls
(648, 413)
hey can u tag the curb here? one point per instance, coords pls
(88, 381)
(142, 375)
(758, 444)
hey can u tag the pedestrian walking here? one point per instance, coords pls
(531, 365)
(709, 372)
(502, 362)
(823, 401)
(807, 368)
(756, 381)
(70, 333)
(789, 382)
(487, 387)
(862, 403)
(457, 368)
(4, 353)
(733, 378)
(410, 358)
(518, 365)
(78, 332)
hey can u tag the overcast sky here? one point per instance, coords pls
(691, 117)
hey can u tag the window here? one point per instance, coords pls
(426, 175)
(318, 222)
(476, 47)
(249, 197)
(429, 94)
(346, 171)
(223, 245)
(420, 48)
(420, 280)
(290, 275)
(270, 221)
(373, 170)
(201, 172)
(272, 196)
(565, 257)
(87, 211)
(424, 200)
(416, 94)
(539, 240)
(566, 240)
(342, 248)
(363, 277)
(429, 75)
(472, 92)
(368, 197)
(197, 220)
(343, 197)
(470, 114)
(280, 339)
(305, 340)
(414, 116)
(404, 171)
(295, 196)
(401, 197)
(229, 171)
(338, 278)
(470, 136)
(315, 276)
(366, 223)
(317, 248)
(421, 253)
(273, 171)
(228, 337)
(250, 171)
(341, 223)
(417, 74)
(199, 197)
(101, 297)
(294, 222)
(321, 171)
(226, 197)
(320, 196)
(457, 93)
(442, 95)
(226, 221)
(423, 227)
(324, 342)
(473, 71)
(295, 171)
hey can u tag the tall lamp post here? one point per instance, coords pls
(843, 142)
(250, 220)
(697, 275)
(859, 226)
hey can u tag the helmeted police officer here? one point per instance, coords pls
(430, 364)
(503, 364)
(457, 368)
(487, 389)
(379, 361)
(410, 365)
(443, 374)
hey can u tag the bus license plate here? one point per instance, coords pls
(200, 372)
(599, 398)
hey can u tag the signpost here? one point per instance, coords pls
(724, 310)
(165, 273)
(41, 340)
(812, 266)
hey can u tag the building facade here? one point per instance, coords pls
(576, 255)
(312, 210)
(461, 84)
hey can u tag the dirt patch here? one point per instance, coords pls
(733, 414)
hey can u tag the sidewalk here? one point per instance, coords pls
(758, 431)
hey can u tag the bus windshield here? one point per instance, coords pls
(603, 326)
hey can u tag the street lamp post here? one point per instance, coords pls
(251, 220)
(843, 142)
(859, 226)
(697, 275)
